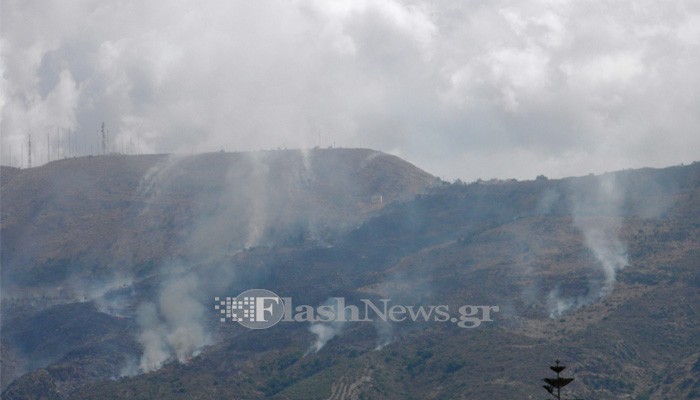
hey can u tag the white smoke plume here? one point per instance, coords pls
(307, 172)
(155, 350)
(184, 315)
(385, 334)
(597, 214)
(257, 196)
(155, 179)
(325, 331)
(558, 305)
(232, 216)
(608, 249)
(601, 233)
(173, 329)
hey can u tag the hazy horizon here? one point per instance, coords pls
(5, 164)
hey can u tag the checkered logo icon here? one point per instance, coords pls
(234, 309)
(254, 308)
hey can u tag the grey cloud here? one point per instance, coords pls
(462, 89)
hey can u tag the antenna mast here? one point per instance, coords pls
(29, 155)
(104, 139)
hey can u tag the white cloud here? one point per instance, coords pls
(525, 84)
(608, 69)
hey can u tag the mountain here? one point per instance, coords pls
(77, 229)
(111, 264)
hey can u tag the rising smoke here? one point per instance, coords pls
(249, 200)
(174, 328)
(602, 235)
(325, 331)
(385, 333)
(151, 337)
(597, 214)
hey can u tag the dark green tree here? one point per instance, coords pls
(553, 385)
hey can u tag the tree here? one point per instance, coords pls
(553, 385)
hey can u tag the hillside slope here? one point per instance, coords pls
(77, 229)
(600, 271)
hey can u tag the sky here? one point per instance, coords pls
(463, 89)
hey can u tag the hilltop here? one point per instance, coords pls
(95, 216)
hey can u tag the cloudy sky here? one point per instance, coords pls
(463, 89)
